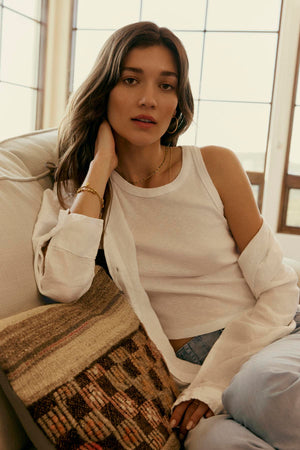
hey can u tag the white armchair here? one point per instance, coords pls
(23, 178)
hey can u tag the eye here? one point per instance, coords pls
(167, 87)
(129, 81)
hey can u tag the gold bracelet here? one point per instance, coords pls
(88, 188)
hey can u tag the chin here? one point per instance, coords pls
(138, 141)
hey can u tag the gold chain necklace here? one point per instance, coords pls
(140, 180)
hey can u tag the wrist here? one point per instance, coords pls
(103, 162)
(88, 188)
(97, 177)
(101, 167)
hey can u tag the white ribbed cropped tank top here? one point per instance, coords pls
(186, 256)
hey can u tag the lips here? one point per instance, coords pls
(144, 119)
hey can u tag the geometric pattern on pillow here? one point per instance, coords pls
(88, 373)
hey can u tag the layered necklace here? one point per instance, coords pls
(141, 180)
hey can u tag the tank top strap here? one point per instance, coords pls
(196, 155)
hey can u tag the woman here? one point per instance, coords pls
(182, 236)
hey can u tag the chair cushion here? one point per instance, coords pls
(21, 159)
(33, 150)
(20, 199)
(86, 372)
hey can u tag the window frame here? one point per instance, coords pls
(280, 128)
(289, 181)
(57, 68)
(270, 182)
(40, 84)
(41, 66)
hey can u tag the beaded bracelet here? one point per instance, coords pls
(88, 188)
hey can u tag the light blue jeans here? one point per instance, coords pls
(262, 402)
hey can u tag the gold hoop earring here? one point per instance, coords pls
(176, 126)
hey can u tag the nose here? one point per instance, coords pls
(147, 96)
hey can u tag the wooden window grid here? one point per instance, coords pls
(289, 181)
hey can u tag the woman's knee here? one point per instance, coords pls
(265, 395)
(222, 433)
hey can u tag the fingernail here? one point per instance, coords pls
(190, 425)
(172, 423)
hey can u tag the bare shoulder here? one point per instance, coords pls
(220, 162)
(224, 168)
(234, 188)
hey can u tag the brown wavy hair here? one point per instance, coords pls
(87, 107)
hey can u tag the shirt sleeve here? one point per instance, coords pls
(274, 286)
(66, 270)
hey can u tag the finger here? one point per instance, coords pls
(194, 413)
(200, 412)
(209, 413)
(178, 413)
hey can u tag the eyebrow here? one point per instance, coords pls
(164, 73)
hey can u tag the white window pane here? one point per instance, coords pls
(193, 43)
(175, 14)
(242, 127)
(243, 15)
(89, 42)
(21, 117)
(31, 8)
(20, 47)
(294, 158)
(88, 45)
(107, 14)
(293, 212)
(239, 66)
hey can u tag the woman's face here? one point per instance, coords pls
(142, 104)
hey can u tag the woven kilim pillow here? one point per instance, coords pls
(88, 374)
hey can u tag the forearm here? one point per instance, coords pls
(66, 270)
(85, 202)
(104, 162)
(66, 245)
(241, 339)
(274, 286)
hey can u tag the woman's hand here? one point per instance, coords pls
(100, 169)
(187, 414)
(105, 146)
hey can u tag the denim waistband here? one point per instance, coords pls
(196, 350)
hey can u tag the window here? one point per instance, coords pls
(232, 59)
(290, 209)
(242, 70)
(21, 42)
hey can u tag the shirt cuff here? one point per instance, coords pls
(78, 234)
(207, 394)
